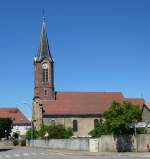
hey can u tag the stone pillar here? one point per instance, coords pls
(37, 114)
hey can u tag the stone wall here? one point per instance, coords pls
(143, 143)
(68, 144)
(124, 143)
(106, 143)
(109, 143)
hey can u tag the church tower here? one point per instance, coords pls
(44, 69)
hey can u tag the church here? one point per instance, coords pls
(79, 110)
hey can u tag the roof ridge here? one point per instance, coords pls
(86, 92)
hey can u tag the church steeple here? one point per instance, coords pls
(44, 50)
(44, 69)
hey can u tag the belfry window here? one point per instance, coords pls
(45, 72)
(75, 125)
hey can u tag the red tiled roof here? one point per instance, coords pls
(136, 101)
(15, 114)
(147, 105)
(76, 103)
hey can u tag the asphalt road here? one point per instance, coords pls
(38, 153)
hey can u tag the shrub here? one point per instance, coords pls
(15, 142)
(31, 134)
(59, 132)
(15, 135)
(43, 130)
(55, 132)
(23, 143)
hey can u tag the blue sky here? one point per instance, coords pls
(96, 45)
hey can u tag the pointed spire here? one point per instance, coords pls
(44, 51)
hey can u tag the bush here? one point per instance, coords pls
(23, 143)
(55, 132)
(59, 132)
(15, 142)
(15, 135)
(31, 134)
(43, 130)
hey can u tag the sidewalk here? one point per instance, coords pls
(86, 153)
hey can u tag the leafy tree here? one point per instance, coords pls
(118, 120)
(5, 127)
(100, 129)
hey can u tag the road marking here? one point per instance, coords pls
(33, 154)
(26, 154)
(16, 155)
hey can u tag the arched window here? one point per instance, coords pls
(96, 122)
(45, 75)
(45, 72)
(75, 125)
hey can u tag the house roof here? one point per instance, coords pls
(15, 114)
(136, 101)
(84, 103)
(147, 105)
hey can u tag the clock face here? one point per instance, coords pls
(44, 66)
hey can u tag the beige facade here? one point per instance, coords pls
(84, 124)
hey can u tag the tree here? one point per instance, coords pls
(5, 127)
(118, 119)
